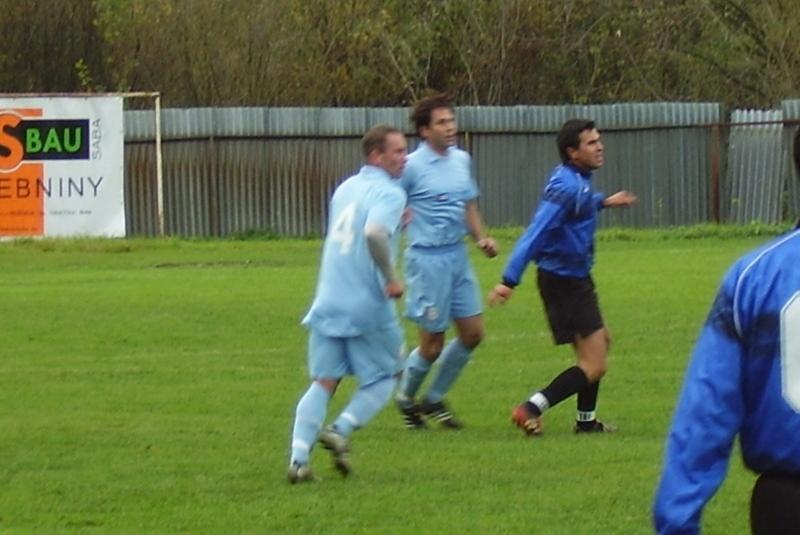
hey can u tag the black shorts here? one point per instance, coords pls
(775, 504)
(571, 306)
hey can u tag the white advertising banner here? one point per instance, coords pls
(62, 166)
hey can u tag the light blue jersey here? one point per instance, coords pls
(350, 298)
(441, 283)
(439, 188)
(744, 378)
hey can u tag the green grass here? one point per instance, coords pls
(148, 386)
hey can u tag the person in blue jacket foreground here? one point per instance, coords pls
(743, 379)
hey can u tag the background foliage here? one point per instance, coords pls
(744, 53)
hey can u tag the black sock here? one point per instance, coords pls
(587, 398)
(532, 408)
(569, 382)
(587, 403)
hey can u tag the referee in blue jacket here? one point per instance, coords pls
(560, 240)
(743, 379)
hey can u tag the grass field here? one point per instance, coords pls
(148, 386)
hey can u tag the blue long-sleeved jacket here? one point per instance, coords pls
(744, 378)
(560, 237)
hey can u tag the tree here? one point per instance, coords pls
(50, 39)
(386, 52)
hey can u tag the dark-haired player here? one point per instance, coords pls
(442, 287)
(560, 240)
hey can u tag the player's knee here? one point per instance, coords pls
(329, 384)
(430, 351)
(594, 366)
(600, 370)
(472, 339)
(594, 372)
(470, 332)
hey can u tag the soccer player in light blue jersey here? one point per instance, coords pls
(743, 379)
(560, 240)
(442, 287)
(353, 322)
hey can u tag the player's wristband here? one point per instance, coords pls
(508, 283)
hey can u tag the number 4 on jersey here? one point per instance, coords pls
(342, 231)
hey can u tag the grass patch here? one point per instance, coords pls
(148, 386)
(693, 232)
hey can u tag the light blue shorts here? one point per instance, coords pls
(369, 357)
(440, 286)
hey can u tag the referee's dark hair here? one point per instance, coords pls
(569, 137)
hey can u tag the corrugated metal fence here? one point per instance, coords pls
(791, 114)
(755, 166)
(235, 170)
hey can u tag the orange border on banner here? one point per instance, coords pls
(21, 208)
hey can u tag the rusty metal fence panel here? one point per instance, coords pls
(755, 166)
(660, 151)
(234, 170)
(791, 117)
